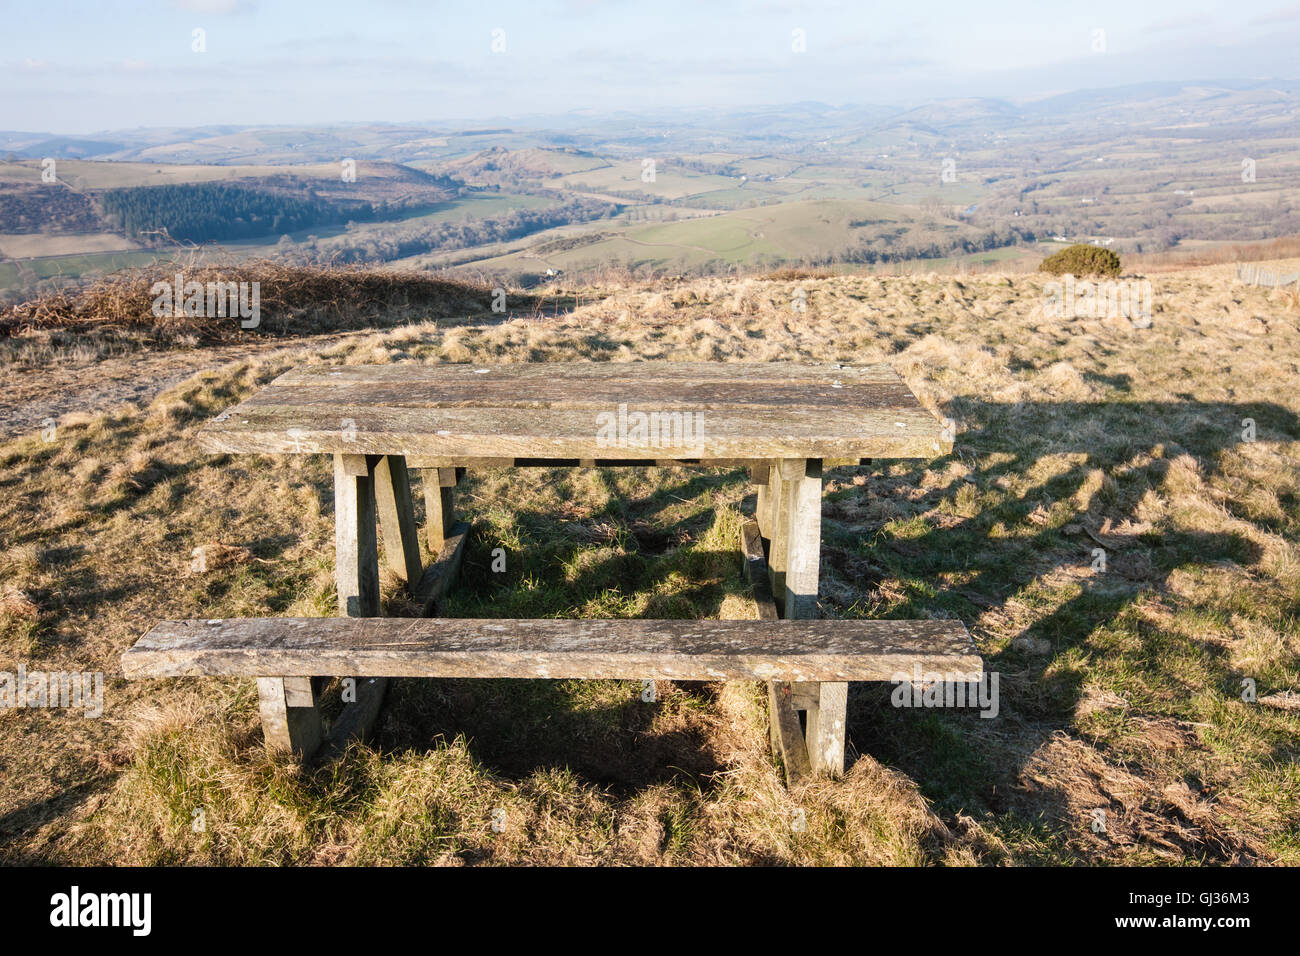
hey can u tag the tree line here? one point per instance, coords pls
(206, 212)
(897, 247)
(400, 241)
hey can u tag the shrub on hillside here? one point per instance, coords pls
(1082, 260)
(293, 300)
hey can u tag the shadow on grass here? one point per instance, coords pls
(1004, 551)
(1001, 552)
(614, 557)
(602, 730)
(19, 822)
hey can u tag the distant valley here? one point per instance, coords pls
(955, 184)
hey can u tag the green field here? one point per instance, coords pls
(794, 231)
(483, 206)
(74, 267)
(625, 177)
(32, 245)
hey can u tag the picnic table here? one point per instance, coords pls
(786, 422)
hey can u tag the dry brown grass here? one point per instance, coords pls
(1120, 690)
(294, 301)
(1286, 247)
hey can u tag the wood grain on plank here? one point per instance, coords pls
(442, 461)
(549, 434)
(679, 396)
(469, 374)
(549, 411)
(450, 647)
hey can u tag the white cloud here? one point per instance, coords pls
(1281, 15)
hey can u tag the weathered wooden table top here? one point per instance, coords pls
(674, 411)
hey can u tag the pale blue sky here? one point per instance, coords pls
(72, 67)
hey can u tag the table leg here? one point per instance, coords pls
(794, 500)
(802, 511)
(783, 720)
(776, 510)
(439, 511)
(356, 547)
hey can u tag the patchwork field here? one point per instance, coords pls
(30, 245)
(1127, 732)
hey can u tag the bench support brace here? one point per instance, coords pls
(397, 519)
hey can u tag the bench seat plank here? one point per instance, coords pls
(805, 650)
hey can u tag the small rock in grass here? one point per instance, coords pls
(1032, 645)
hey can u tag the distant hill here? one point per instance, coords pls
(68, 148)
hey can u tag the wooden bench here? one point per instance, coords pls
(779, 651)
(786, 421)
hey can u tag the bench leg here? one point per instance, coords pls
(439, 513)
(825, 732)
(290, 720)
(397, 519)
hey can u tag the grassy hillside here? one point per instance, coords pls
(1121, 689)
(818, 231)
